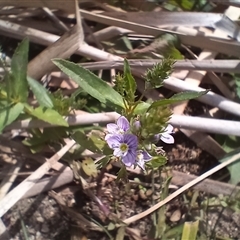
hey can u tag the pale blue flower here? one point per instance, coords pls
(124, 146)
(165, 136)
(121, 127)
(142, 158)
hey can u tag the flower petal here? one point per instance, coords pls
(131, 140)
(169, 128)
(167, 138)
(118, 152)
(113, 128)
(141, 164)
(114, 141)
(123, 124)
(129, 159)
(146, 156)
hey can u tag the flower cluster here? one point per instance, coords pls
(125, 145)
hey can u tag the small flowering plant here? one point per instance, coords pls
(133, 139)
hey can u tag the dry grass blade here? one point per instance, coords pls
(50, 183)
(68, 6)
(235, 3)
(182, 189)
(214, 44)
(53, 17)
(9, 179)
(63, 48)
(83, 222)
(169, 19)
(18, 192)
(4, 234)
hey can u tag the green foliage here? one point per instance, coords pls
(154, 121)
(9, 114)
(183, 96)
(92, 84)
(64, 104)
(190, 5)
(130, 84)
(17, 86)
(157, 162)
(160, 72)
(233, 168)
(190, 230)
(40, 92)
(92, 142)
(47, 115)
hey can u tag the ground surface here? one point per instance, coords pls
(44, 219)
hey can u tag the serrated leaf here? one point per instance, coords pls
(47, 115)
(89, 167)
(40, 93)
(178, 97)
(130, 82)
(10, 114)
(90, 83)
(17, 80)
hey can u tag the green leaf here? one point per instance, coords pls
(142, 108)
(93, 144)
(47, 115)
(90, 83)
(190, 230)
(131, 85)
(178, 97)
(9, 114)
(17, 80)
(161, 219)
(40, 93)
(89, 167)
(157, 161)
(233, 168)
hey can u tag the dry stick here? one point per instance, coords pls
(210, 98)
(207, 185)
(64, 176)
(195, 78)
(17, 193)
(8, 180)
(97, 54)
(53, 17)
(193, 65)
(182, 189)
(40, 37)
(50, 183)
(195, 123)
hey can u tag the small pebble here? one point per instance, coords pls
(142, 194)
(149, 192)
(40, 219)
(176, 216)
(44, 228)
